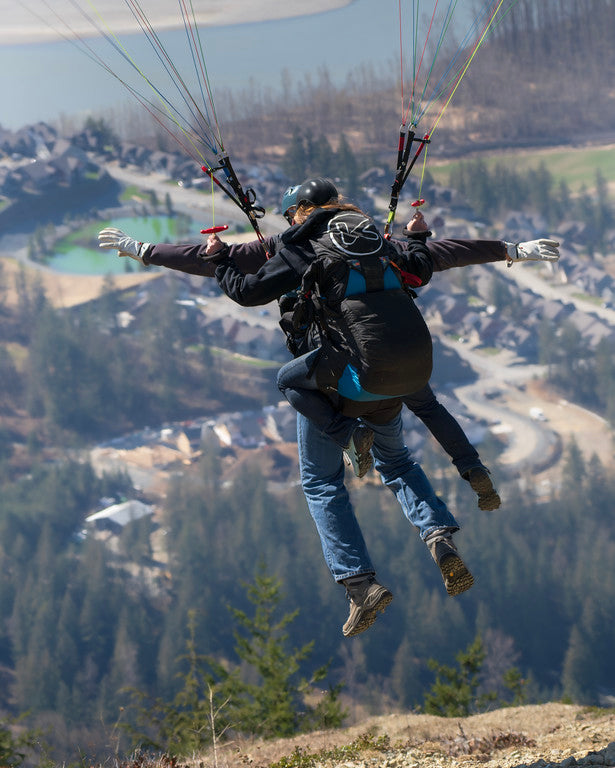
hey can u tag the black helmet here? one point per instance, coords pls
(317, 191)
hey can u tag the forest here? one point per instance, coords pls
(543, 78)
(80, 622)
(84, 626)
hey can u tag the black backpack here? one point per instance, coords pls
(374, 340)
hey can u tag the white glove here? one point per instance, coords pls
(533, 250)
(126, 245)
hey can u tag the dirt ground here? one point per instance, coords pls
(548, 734)
(64, 290)
(591, 432)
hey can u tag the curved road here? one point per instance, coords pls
(528, 442)
(198, 204)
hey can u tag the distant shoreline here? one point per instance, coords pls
(21, 27)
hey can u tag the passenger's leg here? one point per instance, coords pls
(344, 549)
(297, 382)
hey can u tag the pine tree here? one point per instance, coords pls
(295, 159)
(454, 693)
(347, 168)
(578, 664)
(323, 158)
(271, 704)
(261, 696)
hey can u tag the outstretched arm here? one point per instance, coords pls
(447, 254)
(190, 258)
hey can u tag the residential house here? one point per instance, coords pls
(449, 309)
(245, 339)
(117, 516)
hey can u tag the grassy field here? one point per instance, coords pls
(577, 167)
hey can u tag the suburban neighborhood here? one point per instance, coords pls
(40, 169)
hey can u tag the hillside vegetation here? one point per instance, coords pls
(544, 735)
(89, 621)
(544, 78)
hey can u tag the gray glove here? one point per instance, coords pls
(126, 245)
(533, 250)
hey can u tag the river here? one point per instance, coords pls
(48, 81)
(45, 81)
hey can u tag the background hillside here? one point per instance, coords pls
(86, 613)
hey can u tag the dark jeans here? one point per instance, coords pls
(444, 427)
(298, 385)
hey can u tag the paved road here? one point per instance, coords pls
(198, 204)
(528, 441)
(546, 282)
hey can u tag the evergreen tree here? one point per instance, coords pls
(270, 705)
(455, 691)
(323, 158)
(347, 168)
(261, 697)
(578, 667)
(295, 161)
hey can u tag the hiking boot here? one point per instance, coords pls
(357, 452)
(457, 578)
(367, 599)
(480, 481)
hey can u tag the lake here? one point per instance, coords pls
(92, 260)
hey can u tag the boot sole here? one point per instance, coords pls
(364, 465)
(364, 458)
(370, 615)
(457, 578)
(488, 497)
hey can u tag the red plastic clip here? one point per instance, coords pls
(418, 203)
(214, 230)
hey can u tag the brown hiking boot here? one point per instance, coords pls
(367, 599)
(457, 578)
(480, 481)
(357, 452)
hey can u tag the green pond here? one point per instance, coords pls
(75, 258)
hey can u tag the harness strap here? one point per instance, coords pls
(372, 271)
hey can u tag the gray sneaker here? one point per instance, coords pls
(367, 599)
(481, 484)
(457, 578)
(357, 452)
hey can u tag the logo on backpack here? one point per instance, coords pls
(354, 234)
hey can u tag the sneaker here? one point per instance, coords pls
(457, 578)
(357, 452)
(480, 481)
(367, 599)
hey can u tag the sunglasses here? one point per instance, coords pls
(289, 214)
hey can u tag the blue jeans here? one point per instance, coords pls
(444, 427)
(322, 476)
(297, 382)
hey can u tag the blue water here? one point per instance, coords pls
(81, 260)
(50, 80)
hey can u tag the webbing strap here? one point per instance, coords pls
(373, 272)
